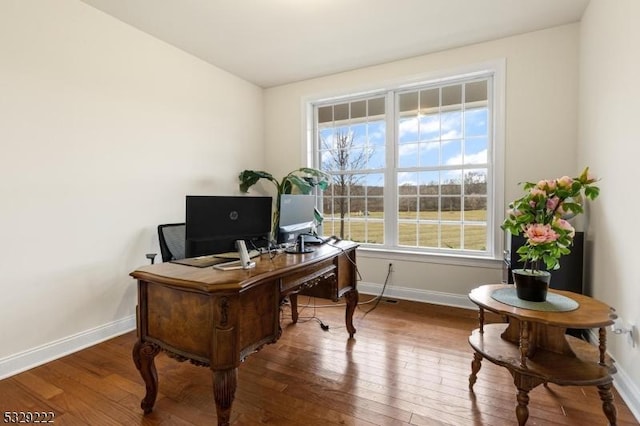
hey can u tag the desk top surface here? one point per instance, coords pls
(590, 314)
(209, 279)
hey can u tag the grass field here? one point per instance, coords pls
(425, 229)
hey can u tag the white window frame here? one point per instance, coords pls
(496, 166)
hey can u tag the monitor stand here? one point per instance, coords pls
(299, 248)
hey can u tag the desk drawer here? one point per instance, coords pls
(308, 277)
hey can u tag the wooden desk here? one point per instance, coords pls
(535, 349)
(217, 318)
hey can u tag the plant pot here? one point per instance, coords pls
(531, 285)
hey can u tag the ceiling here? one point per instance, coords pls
(274, 42)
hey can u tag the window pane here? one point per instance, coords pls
(429, 235)
(375, 232)
(475, 151)
(358, 109)
(452, 152)
(408, 102)
(451, 123)
(407, 234)
(476, 91)
(341, 112)
(475, 237)
(429, 100)
(358, 206)
(475, 122)
(408, 130)
(452, 95)
(376, 133)
(429, 127)
(375, 184)
(475, 209)
(408, 187)
(408, 155)
(429, 183)
(451, 235)
(376, 106)
(408, 208)
(358, 134)
(475, 182)
(326, 138)
(450, 208)
(325, 114)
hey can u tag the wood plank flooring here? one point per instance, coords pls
(408, 365)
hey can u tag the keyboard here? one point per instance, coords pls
(312, 239)
(233, 255)
(214, 259)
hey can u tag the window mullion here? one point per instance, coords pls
(390, 174)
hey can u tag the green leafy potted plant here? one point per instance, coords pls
(540, 217)
(302, 181)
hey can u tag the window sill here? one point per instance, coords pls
(419, 257)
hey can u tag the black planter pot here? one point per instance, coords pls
(531, 286)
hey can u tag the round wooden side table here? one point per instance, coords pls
(534, 347)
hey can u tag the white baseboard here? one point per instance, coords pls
(31, 358)
(628, 391)
(426, 296)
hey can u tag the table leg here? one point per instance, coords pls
(607, 403)
(143, 357)
(352, 301)
(524, 384)
(475, 367)
(524, 343)
(522, 410)
(602, 344)
(224, 391)
(293, 299)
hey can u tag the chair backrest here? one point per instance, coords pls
(172, 237)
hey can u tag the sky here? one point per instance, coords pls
(448, 138)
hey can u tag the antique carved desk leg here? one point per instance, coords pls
(352, 301)
(293, 299)
(143, 356)
(224, 391)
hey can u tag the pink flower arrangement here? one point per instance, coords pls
(538, 216)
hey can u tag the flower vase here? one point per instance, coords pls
(531, 285)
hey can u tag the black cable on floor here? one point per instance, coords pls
(379, 298)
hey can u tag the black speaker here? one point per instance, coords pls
(568, 277)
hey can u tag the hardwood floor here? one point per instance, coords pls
(408, 365)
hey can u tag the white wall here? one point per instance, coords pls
(541, 117)
(103, 131)
(610, 142)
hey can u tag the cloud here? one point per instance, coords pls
(477, 158)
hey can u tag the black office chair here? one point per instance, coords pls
(171, 236)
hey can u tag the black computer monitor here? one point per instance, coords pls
(215, 223)
(296, 216)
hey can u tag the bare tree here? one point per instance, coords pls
(341, 162)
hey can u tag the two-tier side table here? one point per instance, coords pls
(534, 347)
